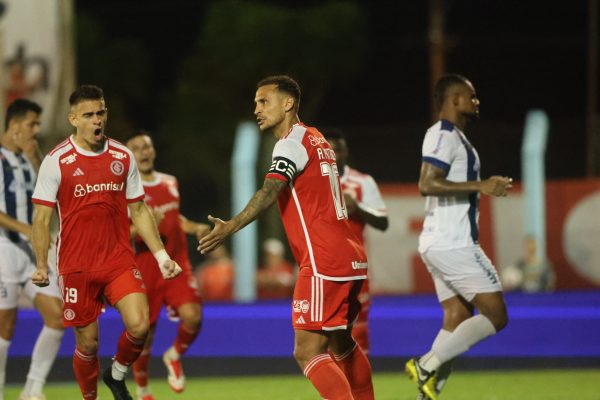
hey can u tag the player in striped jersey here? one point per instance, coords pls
(464, 277)
(19, 162)
(365, 207)
(332, 263)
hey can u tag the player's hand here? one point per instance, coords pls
(351, 204)
(202, 230)
(40, 278)
(216, 237)
(170, 269)
(496, 186)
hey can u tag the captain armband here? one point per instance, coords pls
(284, 167)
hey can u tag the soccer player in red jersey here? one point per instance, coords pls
(181, 294)
(92, 180)
(332, 262)
(365, 207)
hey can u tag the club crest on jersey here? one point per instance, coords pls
(301, 306)
(119, 155)
(137, 274)
(70, 159)
(69, 314)
(117, 167)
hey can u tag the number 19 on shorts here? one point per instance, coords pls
(70, 295)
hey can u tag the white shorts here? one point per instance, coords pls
(461, 272)
(16, 267)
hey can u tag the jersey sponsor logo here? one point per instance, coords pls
(119, 155)
(359, 265)
(117, 167)
(301, 306)
(69, 314)
(300, 320)
(315, 141)
(283, 167)
(70, 159)
(78, 172)
(81, 190)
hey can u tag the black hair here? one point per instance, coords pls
(19, 108)
(285, 84)
(85, 92)
(443, 84)
(138, 132)
(334, 134)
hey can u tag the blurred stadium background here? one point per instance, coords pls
(186, 70)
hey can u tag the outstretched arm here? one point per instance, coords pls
(261, 200)
(194, 228)
(433, 182)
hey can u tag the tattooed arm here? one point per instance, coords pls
(261, 200)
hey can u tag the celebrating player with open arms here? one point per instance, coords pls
(304, 179)
(91, 180)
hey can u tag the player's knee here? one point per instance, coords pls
(139, 328)
(88, 345)
(191, 318)
(498, 317)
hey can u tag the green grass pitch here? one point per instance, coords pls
(583, 384)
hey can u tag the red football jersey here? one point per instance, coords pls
(91, 191)
(163, 195)
(313, 209)
(364, 190)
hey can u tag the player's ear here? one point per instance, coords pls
(72, 119)
(289, 103)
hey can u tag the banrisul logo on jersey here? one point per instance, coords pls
(82, 190)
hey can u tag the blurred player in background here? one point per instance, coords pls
(463, 275)
(365, 207)
(20, 160)
(332, 263)
(180, 295)
(93, 180)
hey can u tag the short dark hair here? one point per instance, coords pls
(19, 108)
(334, 134)
(442, 86)
(85, 92)
(138, 132)
(285, 84)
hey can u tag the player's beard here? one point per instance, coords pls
(470, 116)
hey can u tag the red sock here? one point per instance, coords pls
(140, 368)
(129, 348)
(184, 338)
(327, 378)
(87, 369)
(357, 369)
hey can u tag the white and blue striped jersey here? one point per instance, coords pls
(17, 181)
(450, 221)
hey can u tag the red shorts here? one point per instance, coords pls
(320, 304)
(84, 292)
(182, 289)
(173, 292)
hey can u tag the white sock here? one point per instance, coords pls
(42, 358)
(444, 370)
(141, 391)
(119, 370)
(467, 334)
(4, 344)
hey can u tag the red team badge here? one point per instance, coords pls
(117, 167)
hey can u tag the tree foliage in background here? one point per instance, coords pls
(239, 44)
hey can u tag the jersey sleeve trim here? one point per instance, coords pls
(135, 199)
(43, 202)
(437, 163)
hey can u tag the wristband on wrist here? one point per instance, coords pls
(161, 256)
